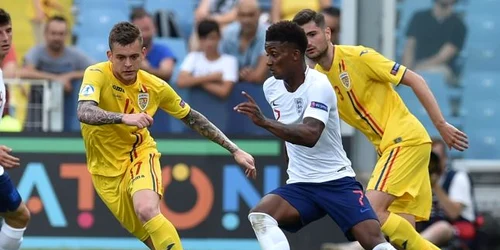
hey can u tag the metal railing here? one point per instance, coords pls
(45, 104)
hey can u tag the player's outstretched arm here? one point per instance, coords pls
(88, 112)
(203, 126)
(306, 134)
(452, 136)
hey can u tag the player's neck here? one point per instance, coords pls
(297, 78)
(1, 58)
(326, 60)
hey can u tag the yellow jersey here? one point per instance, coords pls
(111, 148)
(361, 78)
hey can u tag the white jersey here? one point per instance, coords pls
(315, 98)
(2, 103)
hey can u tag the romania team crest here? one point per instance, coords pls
(345, 79)
(143, 100)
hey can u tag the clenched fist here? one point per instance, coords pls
(141, 120)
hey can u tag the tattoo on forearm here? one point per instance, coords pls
(202, 125)
(88, 112)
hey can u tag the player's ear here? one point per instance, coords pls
(143, 52)
(109, 54)
(328, 33)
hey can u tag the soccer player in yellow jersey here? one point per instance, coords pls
(399, 187)
(116, 103)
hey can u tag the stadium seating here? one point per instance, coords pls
(182, 9)
(98, 22)
(484, 144)
(94, 46)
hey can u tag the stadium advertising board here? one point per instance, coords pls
(207, 196)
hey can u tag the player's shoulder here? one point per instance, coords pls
(151, 81)
(101, 67)
(271, 83)
(317, 79)
(354, 51)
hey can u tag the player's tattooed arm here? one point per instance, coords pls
(88, 112)
(204, 127)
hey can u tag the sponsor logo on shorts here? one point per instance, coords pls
(319, 105)
(364, 210)
(182, 104)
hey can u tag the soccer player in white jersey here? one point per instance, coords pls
(12, 209)
(321, 181)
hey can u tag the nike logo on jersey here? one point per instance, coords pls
(274, 104)
(364, 210)
(363, 52)
(170, 246)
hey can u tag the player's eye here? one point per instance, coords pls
(135, 57)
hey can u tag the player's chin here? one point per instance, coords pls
(277, 75)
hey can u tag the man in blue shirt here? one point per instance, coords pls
(160, 60)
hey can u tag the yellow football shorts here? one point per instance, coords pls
(404, 173)
(117, 192)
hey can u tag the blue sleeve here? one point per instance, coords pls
(166, 52)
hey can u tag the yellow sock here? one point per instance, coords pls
(402, 234)
(163, 233)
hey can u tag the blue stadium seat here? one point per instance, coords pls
(481, 115)
(482, 6)
(482, 56)
(483, 144)
(98, 22)
(183, 10)
(102, 4)
(482, 27)
(94, 46)
(480, 85)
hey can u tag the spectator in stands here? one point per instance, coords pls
(58, 63)
(435, 38)
(160, 60)
(286, 9)
(245, 40)
(40, 13)
(332, 21)
(222, 11)
(453, 211)
(209, 74)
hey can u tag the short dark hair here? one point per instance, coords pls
(4, 17)
(57, 18)
(287, 31)
(308, 15)
(138, 13)
(205, 27)
(124, 33)
(331, 11)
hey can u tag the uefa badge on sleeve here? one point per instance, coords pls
(143, 101)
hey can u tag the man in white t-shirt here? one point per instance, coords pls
(321, 181)
(12, 209)
(209, 74)
(453, 211)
